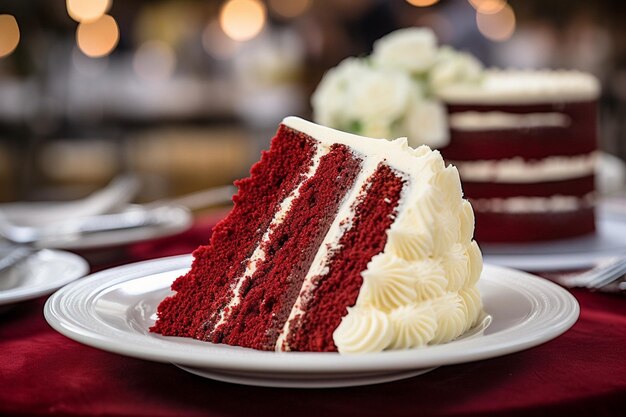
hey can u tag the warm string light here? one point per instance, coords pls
(488, 6)
(87, 10)
(422, 3)
(9, 34)
(99, 37)
(242, 20)
(497, 26)
(97, 33)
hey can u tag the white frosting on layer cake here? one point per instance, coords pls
(497, 120)
(525, 87)
(518, 170)
(553, 204)
(421, 288)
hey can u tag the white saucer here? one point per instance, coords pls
(578, 253)
(40, 274)
(176, 220)
(113, 310)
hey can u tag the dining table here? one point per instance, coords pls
(43, 373)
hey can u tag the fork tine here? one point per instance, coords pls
(607, 278)
(14, 256)
(16, 234)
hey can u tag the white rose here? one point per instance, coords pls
(331, 98)
(380, 95)
(452, 68)
(412, 49)
(427, 124)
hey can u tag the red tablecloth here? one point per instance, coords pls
(581, 373)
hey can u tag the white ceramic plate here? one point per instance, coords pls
(178, 219)
(584, 252)
(113, 310)
(40, 274)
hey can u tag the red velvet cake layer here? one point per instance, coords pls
(574, 187)
(580, 137)
(338, 289)
(200, 292)
(528, 227)
(268, 296)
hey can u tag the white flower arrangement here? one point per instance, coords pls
(393, 92)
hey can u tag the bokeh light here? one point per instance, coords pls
(422, 3)
(9, 34)
(154, 61)
(99, 37)
(497, 26)
(242, 20)
(488, 6)
(87, 10)
(291, 8)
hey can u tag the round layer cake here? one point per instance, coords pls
(525, 144)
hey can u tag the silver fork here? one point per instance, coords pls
(116, 194)
(70, 229)
(603, 275)
(14, 255)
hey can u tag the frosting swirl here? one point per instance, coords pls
(430, 280)
(451, 318)
(449, 182)
(388, 283)
(410, 243)
(475, 263)
(467, 221)
(363, 330)
(457, 267)
(414, 325)
(448, 231)
(473, 305)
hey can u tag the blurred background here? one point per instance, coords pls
(186, 93)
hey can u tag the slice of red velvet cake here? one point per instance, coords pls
(335, 242)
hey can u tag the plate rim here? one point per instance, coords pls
(242, 359)
(16, 295)
(343, 381)
(122, 237)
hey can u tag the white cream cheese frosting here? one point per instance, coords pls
(525, 87)
(518, 170)
(552, 204)
(498, 120)
(421, 289)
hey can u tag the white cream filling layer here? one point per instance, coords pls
(553, 204)
(518, 170)
(525, 87)
(496, 120)
(259, 253)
